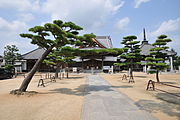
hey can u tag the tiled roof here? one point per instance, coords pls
(35, 54)
(145, 49)
(105, 41)
(169, 52)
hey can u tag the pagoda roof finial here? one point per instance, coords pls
(144, 33)
(144, 37)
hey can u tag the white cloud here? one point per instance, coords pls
(13, 26)
(139, 2)
(167, 27)
(21, 5)
(122, 24)
(26, 17)
(9, 32)
(91, 14)
(171, 28)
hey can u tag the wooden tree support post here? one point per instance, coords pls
(62, 75)
(124, 77)
(53, 79)
(47, 76)
(41, 83)
(131, 79)
(151, 85)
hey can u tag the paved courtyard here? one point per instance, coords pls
(104, 102)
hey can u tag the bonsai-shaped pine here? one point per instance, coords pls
(131, 54)
(54, 60)
(61, 57)
(49, 36)
(158, 55)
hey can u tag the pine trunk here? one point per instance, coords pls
(131, 73)
(60, 72)
(27, 80)
(157, 76)
(67, 72)
(57, 70)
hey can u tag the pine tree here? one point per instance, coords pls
(50, 36)
(131, 55)
(158, 55)
(11, 54)
(61, 57)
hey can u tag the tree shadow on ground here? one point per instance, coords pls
(169, 98)
(165, 107)
(85, 89)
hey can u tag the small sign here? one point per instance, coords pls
(74, 69)
(106, 67)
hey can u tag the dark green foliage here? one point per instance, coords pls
(131, 53)
(53, 35)
(11, 54)
(61, 56)
(99, 52)
(9, 67)
(63, 33)
(158, 55)
(87, 40)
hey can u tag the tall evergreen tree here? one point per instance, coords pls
(158, 55)
(131, 55)
(49, 36)
(11, 54)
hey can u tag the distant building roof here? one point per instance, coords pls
(169, 53)
(145, 49)
(105, 41)
(34, 54)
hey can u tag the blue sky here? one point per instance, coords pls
(115, 18)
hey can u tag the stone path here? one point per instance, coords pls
(103, 102)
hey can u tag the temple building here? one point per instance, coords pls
(145, 51)
(85, 63)
(98, 62)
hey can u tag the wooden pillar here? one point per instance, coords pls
(102, 63)
(82, 65)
